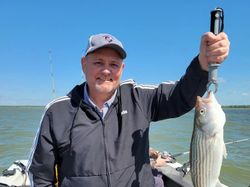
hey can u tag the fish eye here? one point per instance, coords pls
(202, 111)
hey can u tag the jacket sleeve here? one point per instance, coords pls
(182, 97)
(42, 158)
(173, 99)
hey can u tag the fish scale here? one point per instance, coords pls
(203, 161)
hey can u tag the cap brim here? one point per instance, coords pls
(117, 48)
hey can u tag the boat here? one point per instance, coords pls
(15, 175)
(175, 174)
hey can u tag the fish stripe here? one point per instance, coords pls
(204, 161)
(200, 152)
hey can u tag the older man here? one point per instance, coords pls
(97, 135)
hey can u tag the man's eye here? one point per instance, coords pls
(97, 63)
(114, 65)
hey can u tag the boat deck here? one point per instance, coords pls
(174, 178)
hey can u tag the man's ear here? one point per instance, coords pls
(83, 62)
(123, 65)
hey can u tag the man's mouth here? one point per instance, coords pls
(105, 79)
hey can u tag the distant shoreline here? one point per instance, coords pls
(22, 106)
(236, 106)
(224, 106)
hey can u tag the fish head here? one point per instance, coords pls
(209, 116)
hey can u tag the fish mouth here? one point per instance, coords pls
(210, 94)
(204, 100)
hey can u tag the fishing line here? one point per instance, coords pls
(227, 143)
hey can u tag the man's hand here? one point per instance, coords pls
(213, 48)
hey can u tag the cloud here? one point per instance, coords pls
(245, 94)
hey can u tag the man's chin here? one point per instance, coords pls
(104, 89)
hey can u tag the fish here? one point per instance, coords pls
(207, 147)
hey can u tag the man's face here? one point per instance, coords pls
(103, 69)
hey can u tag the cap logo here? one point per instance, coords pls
(108, 38)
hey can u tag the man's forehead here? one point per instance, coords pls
(104, 54)
(100, 58)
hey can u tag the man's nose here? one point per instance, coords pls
(106, 70)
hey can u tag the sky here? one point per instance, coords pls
(161, 38)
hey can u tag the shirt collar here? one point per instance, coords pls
(87, 99)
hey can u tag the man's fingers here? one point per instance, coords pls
(218, 59)
(217, 51)
(211, 38)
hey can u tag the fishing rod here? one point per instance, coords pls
(227, 143)
(216, 26)
(237, 141)
(185, 166)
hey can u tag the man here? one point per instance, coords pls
(97, 135)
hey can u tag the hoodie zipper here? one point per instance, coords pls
(106, 157)
(104, 141)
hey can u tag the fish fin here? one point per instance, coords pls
(225, 151)
(219, 184)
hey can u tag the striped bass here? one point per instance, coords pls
(207, 143)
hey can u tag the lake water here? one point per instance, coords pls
(18, 126)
